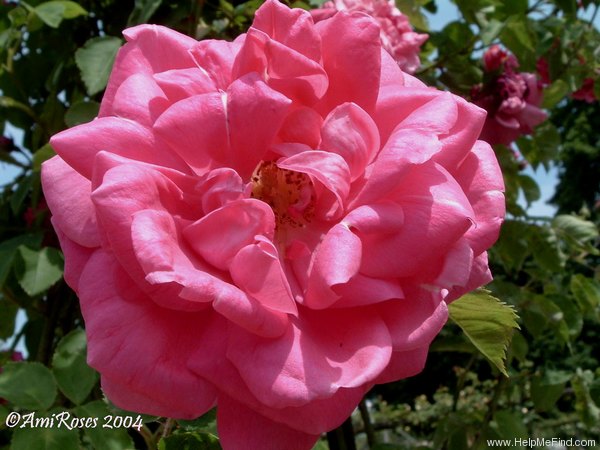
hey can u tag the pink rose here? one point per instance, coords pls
(271, 225)
(495, 58)
(586, 91)
(543, 70)
(511, 98)
(397, 35)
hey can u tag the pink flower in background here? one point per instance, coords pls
(586, 91)
(497, 59)
(511, 98)
(271, 225)
(397, 35)
(543, 71)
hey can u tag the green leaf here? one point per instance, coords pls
(28, 385)
(487, 322)
(555, 93)
(73, 376)
(52, 438)
(81, 112)
(547, 142)
(8, 314)
(20, 194)
(103, 438)
(571, 314)
(8, 251)
(412, 9)
(518, 36)
(189, 441)
(519, 346)
(509, 425)
(544, 248)
(514, 7)
(95, 60)
(18, 16)
(206, 422)
(490, 31)
(588, 411)
(547, 389)
(530, 188)
(142, 11)
(37, 270)
(43, 154)
(52, 13)
(586, 291)
(579, 229)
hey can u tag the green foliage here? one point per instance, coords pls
(95, 60)
(103, 438)
(44, 439)
(28, 385)
(487, 322)
(54, 12)
(187, 440)
(73, 376)
(37, 270)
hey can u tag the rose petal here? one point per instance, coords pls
(79, 145)
(436, 213)
(201, 147)
(351, 133)
(404, 364)
(320, 353)
(139, 98)
(216, 58)
(221, 234)
(150, 49)
(120, 322)
(256, 270)
(247, 99)
(76, 258)
(405, 149)
(336, 260)
(414, 321)
(69, 201)
(361, 290)
(481, 179)
(479, 276)
(183, 83)
(292, 28)
(329, 169)
(352, 60)
(237, 423)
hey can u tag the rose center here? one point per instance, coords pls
(290, 194)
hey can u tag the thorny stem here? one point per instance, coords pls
(499, 389)
(167, 428)
(148, 437)
(342, 438)
(366, 418)
(460, 383)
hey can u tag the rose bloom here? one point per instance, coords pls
(271, 225)
(397, 35)
(586, 91)
(511, 98)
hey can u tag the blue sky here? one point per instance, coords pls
(448, 12)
